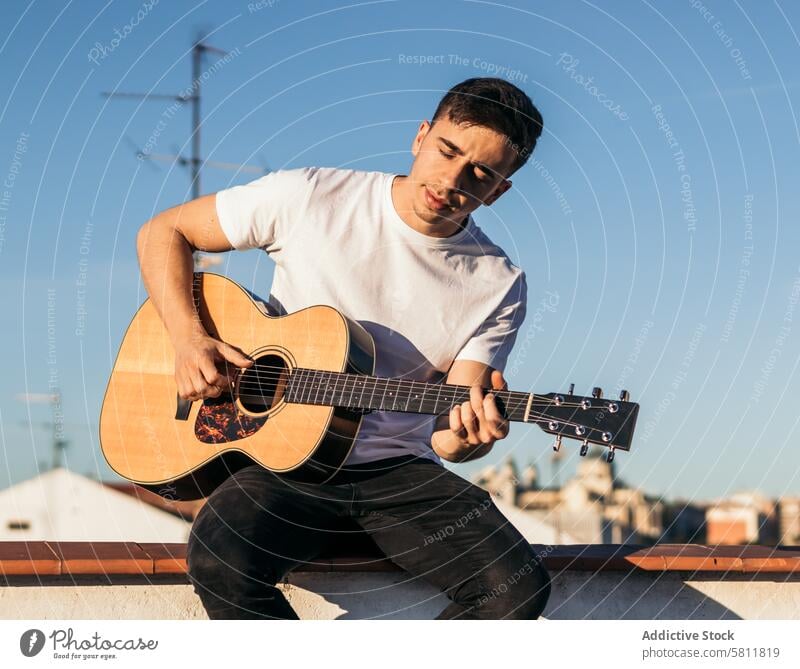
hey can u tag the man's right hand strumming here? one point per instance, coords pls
(204, 366)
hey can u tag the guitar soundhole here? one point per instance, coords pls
(261, 387)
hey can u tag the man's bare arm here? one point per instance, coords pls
(165, 245)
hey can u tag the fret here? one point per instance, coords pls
(335, 397)
(386, 390)
(378, 392)
(422, 396)
(410, 392)
(398, 383)
(372, 395)
(383, 396)
(349, 381)
(329, 394)
(319, 385)
(303, 383)
(313, 386)
(449, 400)
(394, 395)
(294, 379)
(337, 394)
(305, 395)
(342, 392)
(288, 391)
(361, 396)
(436, 402)
(353, 382)
(320, 388)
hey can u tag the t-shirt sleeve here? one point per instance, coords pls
(492, 342)
(259, 214)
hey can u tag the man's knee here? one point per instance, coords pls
(521, 594)
(207, 566)
(221, 558)
(228, 591)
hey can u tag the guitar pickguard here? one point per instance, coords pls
(219, 421)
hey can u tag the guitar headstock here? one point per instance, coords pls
(592, 420)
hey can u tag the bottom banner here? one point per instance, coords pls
(356, 643)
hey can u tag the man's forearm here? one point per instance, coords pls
(167, 265)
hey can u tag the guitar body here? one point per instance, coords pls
(183, 450)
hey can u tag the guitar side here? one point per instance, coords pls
(185, 450)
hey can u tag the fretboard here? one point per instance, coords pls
(312, 386)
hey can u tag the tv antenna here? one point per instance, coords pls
(192, 96)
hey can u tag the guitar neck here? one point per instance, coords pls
(313, 386)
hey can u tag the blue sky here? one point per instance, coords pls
(656, 220)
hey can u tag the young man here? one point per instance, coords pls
(402, 256)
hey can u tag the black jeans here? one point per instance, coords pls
(257, 526)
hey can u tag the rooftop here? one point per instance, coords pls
(115, 580)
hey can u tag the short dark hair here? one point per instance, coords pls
(498, 105)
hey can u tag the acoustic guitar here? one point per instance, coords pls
(297, 410)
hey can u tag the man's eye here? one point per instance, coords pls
(446, 155)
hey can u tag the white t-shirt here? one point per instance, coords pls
(337, 239)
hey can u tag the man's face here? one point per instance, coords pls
(464, 167)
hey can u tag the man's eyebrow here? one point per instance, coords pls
(486, 168)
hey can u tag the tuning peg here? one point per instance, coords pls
(584, 447)
(610, 456)
(571, 388)
(624, 395)
(597, 392)
(557, 445)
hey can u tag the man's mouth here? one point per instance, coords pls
(435, 202)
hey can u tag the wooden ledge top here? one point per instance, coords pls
(106, 558)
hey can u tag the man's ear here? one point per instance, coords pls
(424, 129)
(502, 187)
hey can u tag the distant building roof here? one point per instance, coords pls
(61, 505)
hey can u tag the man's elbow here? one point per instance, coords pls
(142, 237)
(160, 232)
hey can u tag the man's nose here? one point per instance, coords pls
(450, 183)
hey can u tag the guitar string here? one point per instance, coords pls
(513, 406)
(257, 386)
(309, 382)
(383, 379)
(400, 390)
(350, 377)
(409, 394)
(536, 417)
